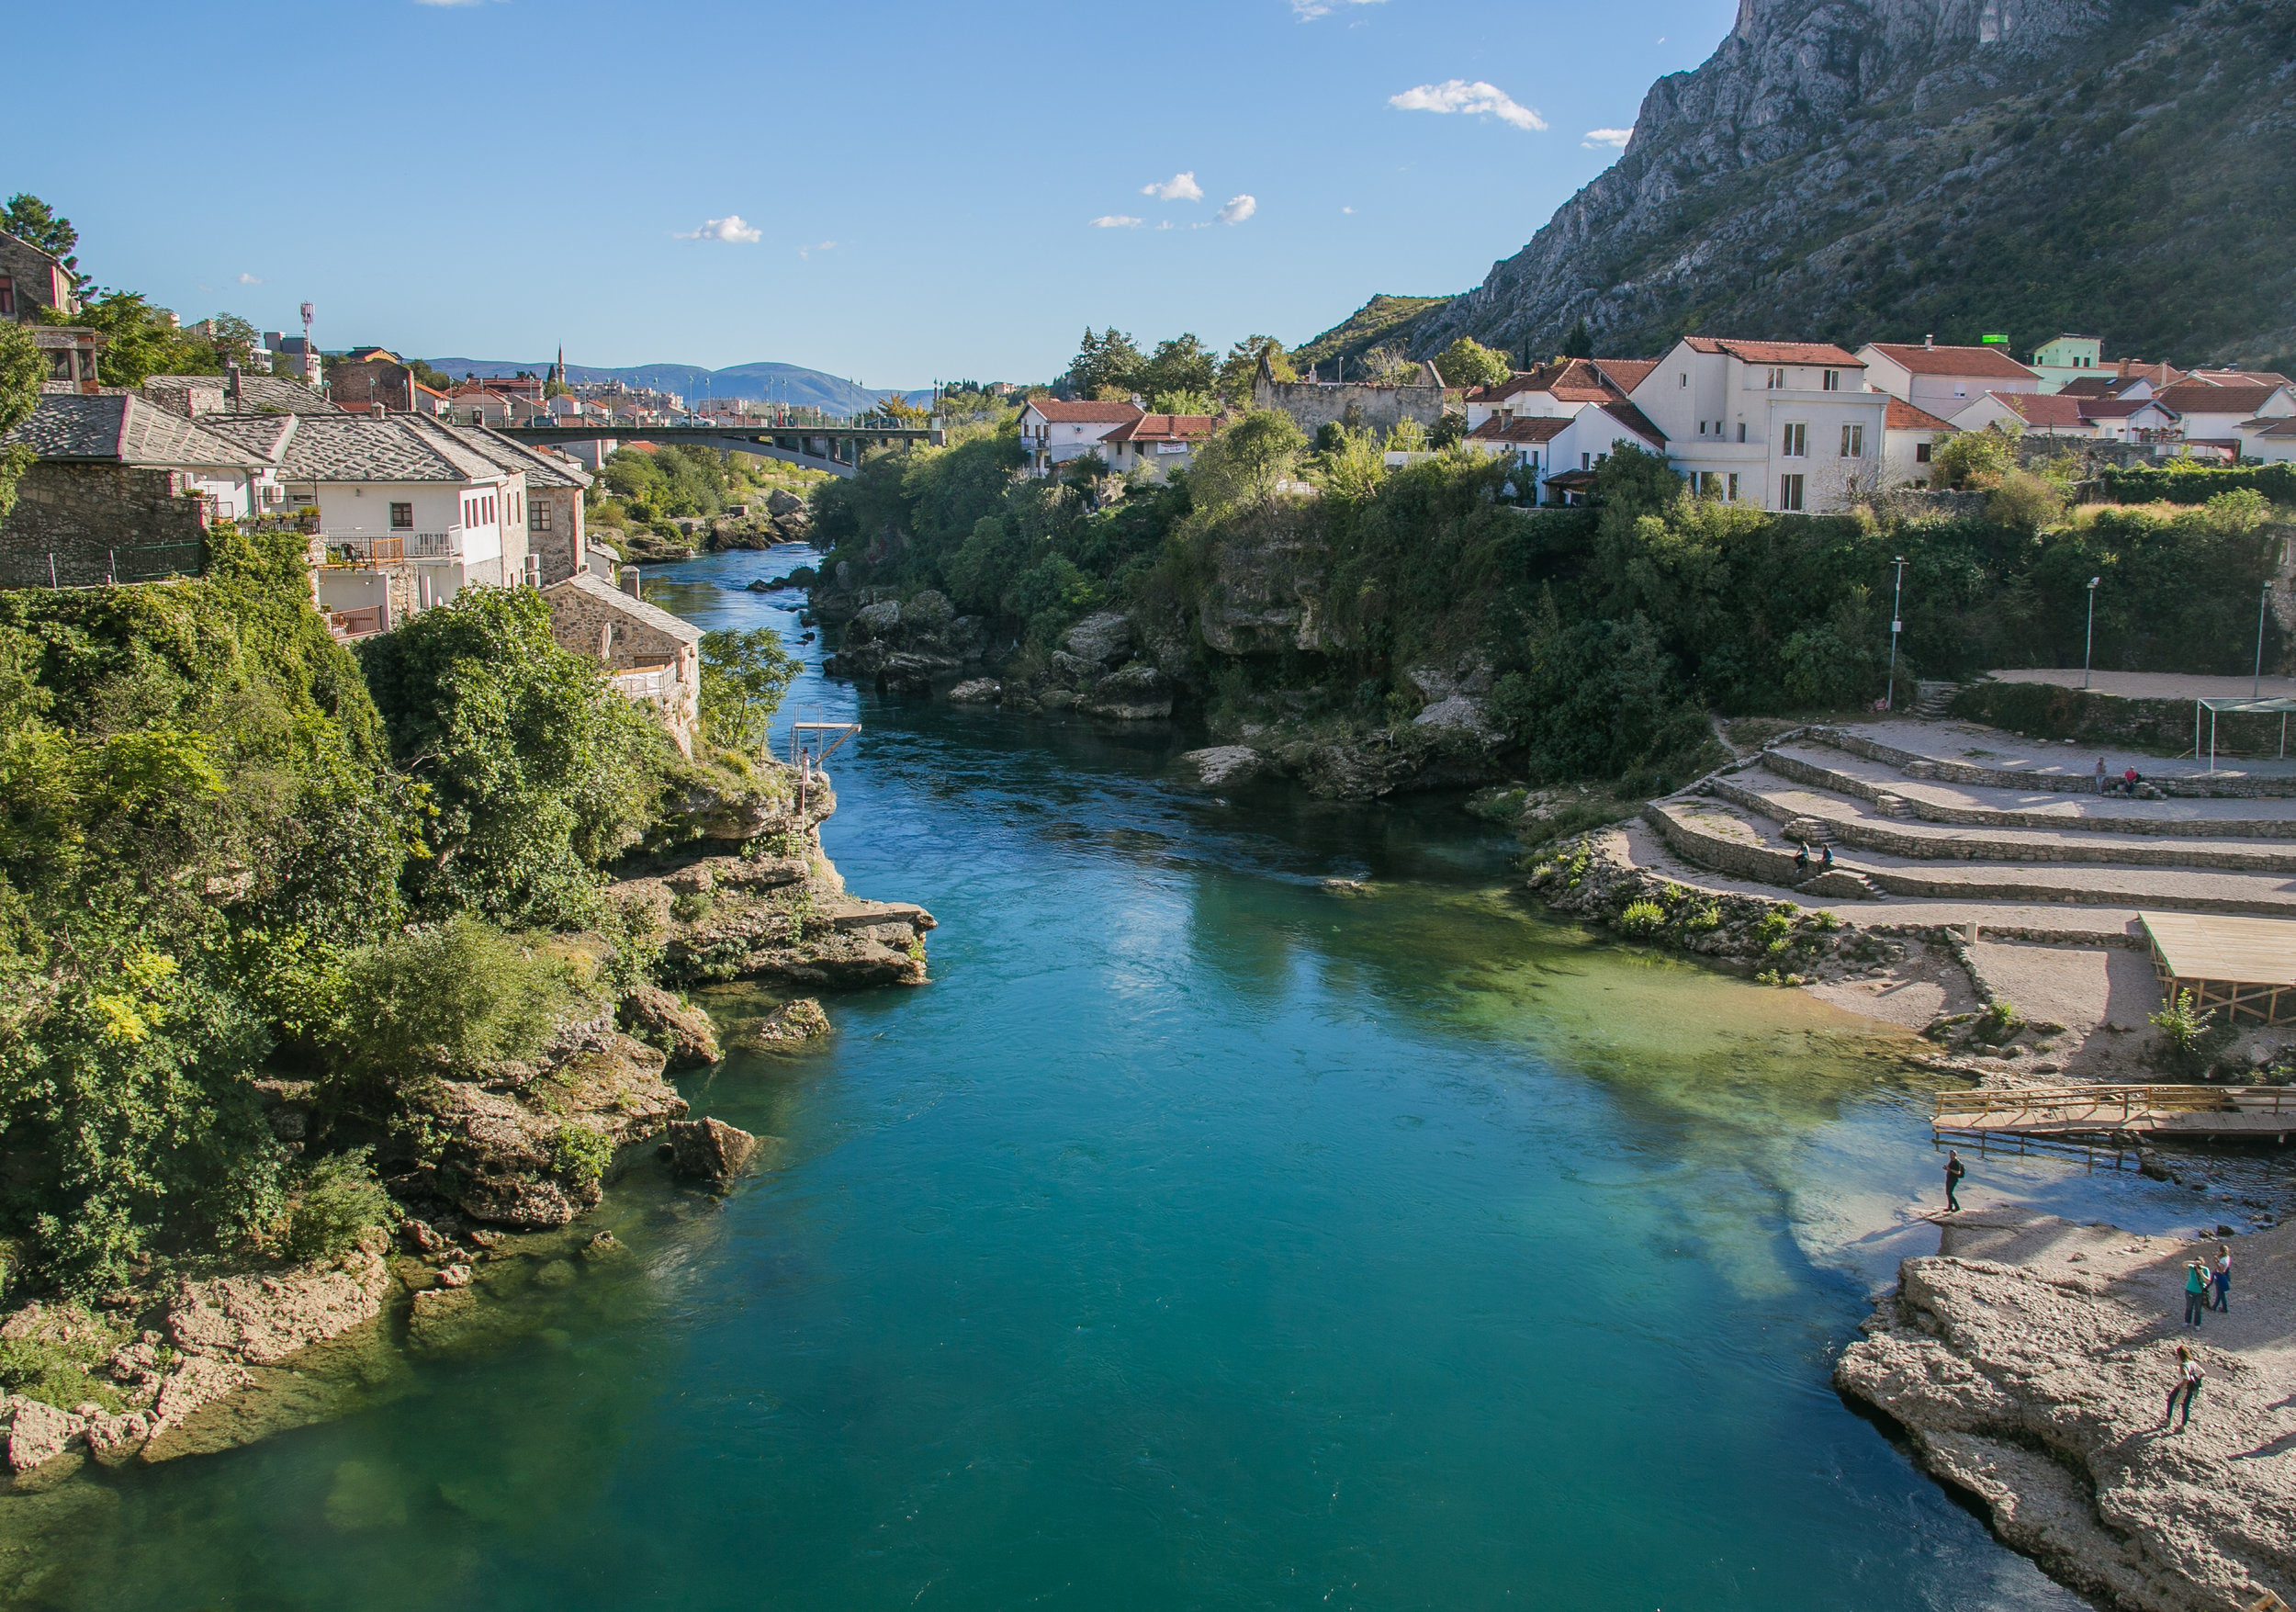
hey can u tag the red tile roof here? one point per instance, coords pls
(1535, 428)
(1626, 374)
(2198, 397)
(1164, 428)
(2050, 412)
(2091, 386)
(2120, 408)
(1824, 352)
(1634, 420)
(1919, 358)
(1903, 416)
(2242, 378)
(1061, 414)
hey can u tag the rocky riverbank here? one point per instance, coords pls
(487, 1168)
(2027, 1362)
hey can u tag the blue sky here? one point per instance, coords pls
(894, 193)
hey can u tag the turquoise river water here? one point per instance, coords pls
(1202, 1237)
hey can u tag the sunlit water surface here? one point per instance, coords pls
(1202, 1237)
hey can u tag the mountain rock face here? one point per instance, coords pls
(1858, 170)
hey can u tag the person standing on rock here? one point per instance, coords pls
(2196, 1292)
(2223, 1303)
(2188, 1383)
(1954, 1171)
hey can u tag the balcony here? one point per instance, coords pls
(347, 624)
(384, 547)
(647, 683)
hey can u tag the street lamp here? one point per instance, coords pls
(2089, 642)
(1897, 625)
(2264, 602)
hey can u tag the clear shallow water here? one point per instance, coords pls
(1202, 1237)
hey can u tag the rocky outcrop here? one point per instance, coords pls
(791, 1024)
(1868, 169)
(709, 1150)
(684, 1032)
(906, 648)
(2028, 1361)
(1222, 766)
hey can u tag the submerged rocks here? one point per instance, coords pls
(789, 1025)
(261, 1320)
(709, 1150)
(1138, 693)
(1222, 766)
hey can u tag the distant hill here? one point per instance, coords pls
(1856, 170)
(1389, 322)
(774, 383)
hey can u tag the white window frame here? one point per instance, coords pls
(1854, 440)
(1790, 493)
(1796, 444)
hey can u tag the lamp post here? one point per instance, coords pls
(1897, 625)
(2264, 602)
(2089, 642)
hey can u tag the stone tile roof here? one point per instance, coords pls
(390, 447)
(258, 394)
(1920, 359)
(122, 429)
(264, 435)
(543, 470)
(653, 616)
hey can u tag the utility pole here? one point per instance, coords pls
(1897, 625)
(2264, 602)
(2089, 643)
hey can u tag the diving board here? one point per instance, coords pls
(2247, 966)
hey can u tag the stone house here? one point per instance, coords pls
(372, 381)
(71, 352)
(555, 485)
(651, 655)
(31, 279)
(120, 490)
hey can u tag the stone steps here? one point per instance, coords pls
(1933, 701)
(1866, 825)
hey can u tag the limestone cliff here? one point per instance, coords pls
(1864, 169)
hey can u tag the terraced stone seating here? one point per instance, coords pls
(1939, 827)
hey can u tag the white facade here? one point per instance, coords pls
(1942, 381)
(454, 534)
(1790, 425)
(1053, 433)
(1909, 437)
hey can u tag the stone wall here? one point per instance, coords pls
(597, 629)
(358, 387)
(560, 548)
(1359, 407)
(99, 522)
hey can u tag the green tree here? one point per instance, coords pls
(744, 676)
(538, 772)
(1110, 359)
(1181, 364)
(1183, 402)
(21, 372)
(1467, 362)
(234, 340)
(1578, 342)
(1242, 465)
(144, 339)
(1973, 461)
(1241, 367)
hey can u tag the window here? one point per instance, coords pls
(403, 517)
(538, 517)
(1854, 442)
(1742, 431)
(8, 297)
(1789, 493)
(1683, 380)
(1832, 382)
(1777, 380)
(1796, 441)
(1921, 453)
(1586, 461)
(1733, 486)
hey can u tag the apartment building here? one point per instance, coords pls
(1782, 425)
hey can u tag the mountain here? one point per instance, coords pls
(1854, 169)
(778, 383)
(1384, 322)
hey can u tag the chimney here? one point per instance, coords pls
(629, 581)
(230, 385)
(1929, 341)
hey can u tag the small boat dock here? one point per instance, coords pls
(2112, 1117)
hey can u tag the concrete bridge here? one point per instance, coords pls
(835, 448)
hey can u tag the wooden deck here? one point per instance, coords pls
(2243, 967)
(2117, 1116)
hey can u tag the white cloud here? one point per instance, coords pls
(249, 280)
(1457, 95)
(1617, 137)
(807, 252)
(730, 228)
(1179, 187)
(1347, 209)
(1116, 221)
(1239, 209)
(1309, 10)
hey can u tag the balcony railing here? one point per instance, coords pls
(345, 624)
(380, 548)
(647, 683)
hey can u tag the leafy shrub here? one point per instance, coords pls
(2189, 1034)
(54, 1375)
(1643, 920)
(744, 676)
(1703, 919)
(335, 1203)
(2200, 484)
(581, 1153)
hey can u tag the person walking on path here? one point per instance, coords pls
(1954, 1171)
(2196, 1292)
(2100, 774)
(2223, 1303)
(2188, 1383)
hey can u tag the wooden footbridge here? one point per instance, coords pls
(2116, 1118)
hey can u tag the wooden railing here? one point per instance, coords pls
(2126, 1100)
(355, 624)
(382, 547)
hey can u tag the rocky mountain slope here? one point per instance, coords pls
(1863, 169)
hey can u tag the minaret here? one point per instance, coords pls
(557, 371)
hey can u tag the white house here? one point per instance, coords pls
(1157, 444)
(1562, 388)
(1908, 437)
(2273, 441)
(1053, 433)
(2215, 414)
(2130, 418)
(1528, 440)
(2046, 413)
(1942, 381)
(1788, 425)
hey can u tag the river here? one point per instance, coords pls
(1202, 1237)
